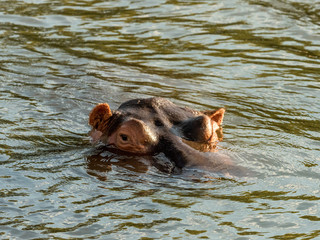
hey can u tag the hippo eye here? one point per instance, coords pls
(158, 123)
(124, 137)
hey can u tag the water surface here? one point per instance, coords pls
(258, 59)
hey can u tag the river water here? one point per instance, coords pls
(258, 59)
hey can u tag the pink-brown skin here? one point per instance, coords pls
(149, 126)
(133, 136)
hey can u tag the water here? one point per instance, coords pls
(258, 59)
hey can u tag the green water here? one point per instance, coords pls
(258, 59)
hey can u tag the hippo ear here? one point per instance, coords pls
(216, 116)
(99, 116)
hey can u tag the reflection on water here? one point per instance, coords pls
(258, 59)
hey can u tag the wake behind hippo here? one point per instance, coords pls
(156, 125)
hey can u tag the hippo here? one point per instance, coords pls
(150, 126)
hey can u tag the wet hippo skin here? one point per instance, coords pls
(156, 125)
